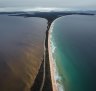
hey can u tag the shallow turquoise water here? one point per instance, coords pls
(75, 54)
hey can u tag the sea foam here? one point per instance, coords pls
(57, 77)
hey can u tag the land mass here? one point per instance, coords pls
(43, 80)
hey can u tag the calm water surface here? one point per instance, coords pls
(21, 51)
(74, 41)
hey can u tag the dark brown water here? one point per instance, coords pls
(21, 51)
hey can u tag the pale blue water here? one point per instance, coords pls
(75, 54)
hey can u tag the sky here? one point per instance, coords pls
(49, 3)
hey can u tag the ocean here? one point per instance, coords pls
(21, 51)
(73, 45)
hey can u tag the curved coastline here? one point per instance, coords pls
(53, 69)
(52, 66)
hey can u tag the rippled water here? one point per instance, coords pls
(74, 40)
(21, 51)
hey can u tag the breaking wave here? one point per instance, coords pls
(57, 77)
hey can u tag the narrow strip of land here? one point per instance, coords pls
(43, 79)
(44, 68)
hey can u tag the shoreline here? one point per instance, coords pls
(47, 82)
(51, 62)
(50, 83)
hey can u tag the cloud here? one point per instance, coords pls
(48, 3)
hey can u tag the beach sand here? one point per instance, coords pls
(52, 65)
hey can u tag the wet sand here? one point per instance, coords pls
(21, 51)
(52, 64)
